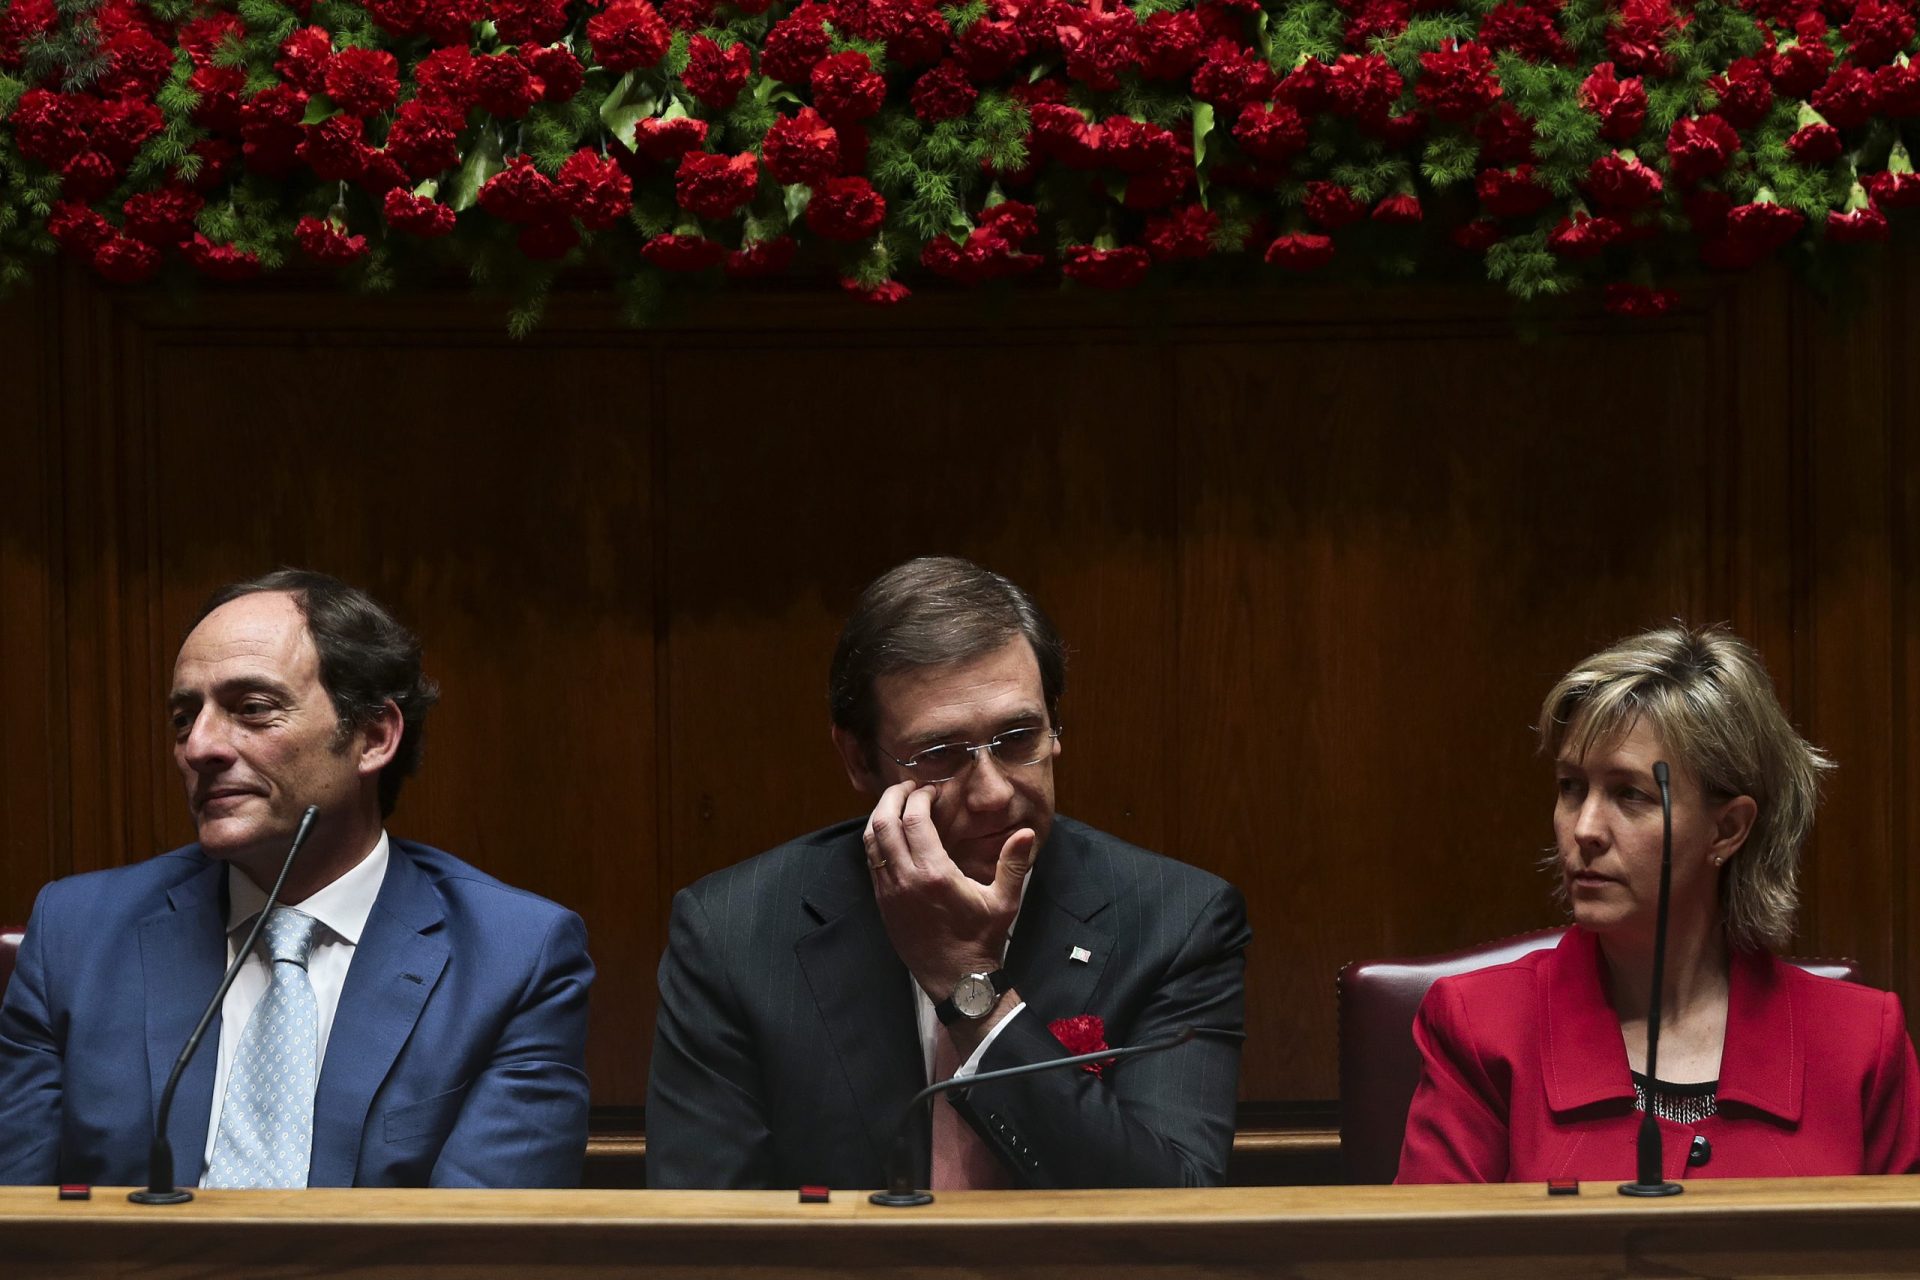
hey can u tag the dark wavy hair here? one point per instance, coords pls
(927, 613)
(366, 659)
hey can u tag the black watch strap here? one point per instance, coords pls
(949, 1013)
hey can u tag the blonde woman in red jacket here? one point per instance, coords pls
(1536, 1069)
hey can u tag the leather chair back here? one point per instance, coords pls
(1379, 1065)
(10, 936)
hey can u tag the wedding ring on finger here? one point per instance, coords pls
(875, 866)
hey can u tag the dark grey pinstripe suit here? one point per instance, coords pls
(786, 1045)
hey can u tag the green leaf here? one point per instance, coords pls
(796, 198)
(319, 108)
(481, 163)
(1202, 126)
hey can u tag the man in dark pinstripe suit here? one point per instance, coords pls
(807, 993)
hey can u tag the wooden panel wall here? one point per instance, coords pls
(1318, 556)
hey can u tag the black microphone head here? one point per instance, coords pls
(1660, 772)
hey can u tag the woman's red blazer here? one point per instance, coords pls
(1526, 1078)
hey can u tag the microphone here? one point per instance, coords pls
(902, 1194)
(160, 1188)
(1651, 1181)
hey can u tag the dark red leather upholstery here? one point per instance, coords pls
(1379, 1066)
(10, 936)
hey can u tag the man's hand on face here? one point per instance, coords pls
(942, 923)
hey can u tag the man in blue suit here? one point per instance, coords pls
(407, 1019)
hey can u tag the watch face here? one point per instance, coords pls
(973, 997)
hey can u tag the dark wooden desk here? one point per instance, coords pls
(1813, 1227)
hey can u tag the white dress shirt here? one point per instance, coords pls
(342, 909)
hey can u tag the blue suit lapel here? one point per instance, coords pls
(395, 968)
(1063, 911)
(183, 952)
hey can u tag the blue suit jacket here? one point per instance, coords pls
(457, 1056)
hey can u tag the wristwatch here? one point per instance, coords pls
(973, 998)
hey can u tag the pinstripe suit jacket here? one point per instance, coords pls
(787, 1048)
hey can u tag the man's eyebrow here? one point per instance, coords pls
(1025, 718)
(232, 687)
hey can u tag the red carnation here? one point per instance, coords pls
(88, 176)
(162, 218)
(1363, 88)
(916, 32)
(1133, 146)
(1526, 29)
(138, 63)
(335, 149)
(1764, 225)
(504, 87)
(1398, 210)
(529, 21)
(76, 228)
(1799, 67)
(303, 57)
(1846, 99)
(1376, 20)
(1877, 30)
(988, 49)
(21, 22)
(1638, 40)
(1511, 193)
(1621, 105)
(1865, 225)
(326, 242)
(667, 140)
(1457, 83)
(522, 194)
(1639, 300)
(628, 35)
(124, 260)
(1816, 144)
(1300, 251)
(203, 37)
(692, 15)
(885, 294)
(1700, 147)
(715, 186)
(683, 253)
(1745, 93)
(48, 127)
(123, 126)
(1478, 236)
(560, 74)
(845, 88)
(714, 75)
(1101, 47)
(1332, 206)
(219, 89)
(425, 137)
(363, 82)
(1892, 190)
(1084, 1034)
(846, 209)
(761, 258)
(1121, 268)
(447, 76)
(943, 93)
(400, 17)
(1169, 45)
(1582, 235)
(1231, 76)
(1505, 137)
(1273, 132)
(1896, 88)
(220, 261)
(1186, 232)
(1620, 182)
(1061, 132)
(1014, 221)
(1308, 86)
(217, 157)
(796, 43)
(417, 215)
(595, 189)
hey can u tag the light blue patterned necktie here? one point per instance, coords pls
(266, 1122)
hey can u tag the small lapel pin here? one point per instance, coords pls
(1079, 955)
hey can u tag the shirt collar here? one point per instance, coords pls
(1762, 1061)
(343, 906)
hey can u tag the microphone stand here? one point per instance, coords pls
(902, 1194)
(160, 1187)
(1651, 1180)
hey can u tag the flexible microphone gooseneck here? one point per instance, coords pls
(160, 1188)
(902, 1194)
(1651, 1180)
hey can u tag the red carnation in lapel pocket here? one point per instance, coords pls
(1084, 1034)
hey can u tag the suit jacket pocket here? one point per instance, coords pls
(433, 1116)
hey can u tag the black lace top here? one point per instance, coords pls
(1680, 1103)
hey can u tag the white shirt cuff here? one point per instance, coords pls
(972, 1064)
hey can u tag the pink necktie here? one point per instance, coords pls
(962, 1161)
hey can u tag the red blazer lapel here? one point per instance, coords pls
(1763, 1064)
(1582, 1055)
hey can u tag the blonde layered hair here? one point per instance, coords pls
(1705, 693)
